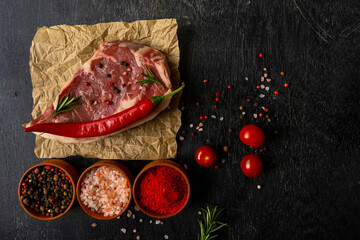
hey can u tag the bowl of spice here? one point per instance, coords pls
(47, 190)
(104, 189)
(162, 189)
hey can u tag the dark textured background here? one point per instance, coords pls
(310, 187)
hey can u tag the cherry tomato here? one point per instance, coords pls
(251, 165)
(205, 156)
(252, 135)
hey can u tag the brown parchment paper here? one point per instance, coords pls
(57, 52)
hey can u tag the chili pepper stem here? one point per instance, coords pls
(156, 100)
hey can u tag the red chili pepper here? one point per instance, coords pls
(217, 94)
(206, 116)
(258, 87)
(217, 99)
(260, 55)
(276, 92)
(106, 125)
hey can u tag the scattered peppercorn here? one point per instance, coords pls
(267, 116)
(100, 65)
(230, 130)
(241, 117)
(91, 102)
(214, 106)
(108, 75)
(208, 140)
(226, 148)
(124, 63)
(197, 104)
(276, 132)
(256, 104)
(123, 85)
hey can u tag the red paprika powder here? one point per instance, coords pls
(163, 190)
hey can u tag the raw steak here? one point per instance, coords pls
(107, 85)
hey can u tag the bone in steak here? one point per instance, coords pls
(107, 85)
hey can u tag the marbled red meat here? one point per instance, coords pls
(107, 85)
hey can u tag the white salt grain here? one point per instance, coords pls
(213, 116)
(166, 237)
(123, 230)
(223, 161)
(140, 220)
(185, 166)
(243, 113)
(258, 187)
(150, 221)
(261, 95)
(191, 125)
(221, 118)
(181, 138)
(199, 212)
(157, 222)
(262, 86)
(182, 108)
(105, 190)
(246, 78)
(267, 88)
(136, 208)
(255, 115)
(134, 231)
(201, 124)
(200, 129)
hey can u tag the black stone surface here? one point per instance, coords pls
(310, 186)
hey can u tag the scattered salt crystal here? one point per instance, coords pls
(269, 120)
(201, 124)
(123, 230)
(268, 79)
(166, 237)
(157, 222)
(223, 161)
(181, 138)
(199, 212)
(200, 129)
(136, 208)
(140, 220)
(133, 216)
(182, 108)
(191, 125)
(185, 166)
(262, 79)
(94, 225)
(263, 107)
(137, 237)
(258, 187)
(261, 95)
(243, 113)
(118, 217)
(221, 118)
(197, 128)
(246, 78)
(150, 221)
(255, 115)
(262, 86)
(265, 69)
(162, 223)
(134, 231)
(267, 88)
(213, 116)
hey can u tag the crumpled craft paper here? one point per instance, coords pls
(57, 52)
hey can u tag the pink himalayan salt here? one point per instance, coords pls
(105, 190)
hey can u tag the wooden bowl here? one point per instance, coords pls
(158, 163)
(70, 171)
(109, 163)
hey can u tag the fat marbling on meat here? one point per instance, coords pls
(107, 85)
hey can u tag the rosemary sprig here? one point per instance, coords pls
(149, 78)
(63, 104)
(210, 222)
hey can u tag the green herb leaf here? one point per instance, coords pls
(63, 104)
(210, 222)
(149, 78)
